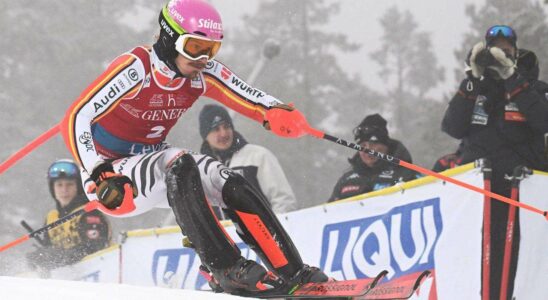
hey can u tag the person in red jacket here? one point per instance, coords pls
(117, 129)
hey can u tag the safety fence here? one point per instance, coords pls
(421, 225)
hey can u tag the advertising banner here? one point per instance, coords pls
(434, 227)
(407, 229)
(532, 272)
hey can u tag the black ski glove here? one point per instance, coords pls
(110, 186)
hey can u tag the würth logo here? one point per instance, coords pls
(225, 73)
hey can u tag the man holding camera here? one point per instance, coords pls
(499, 114)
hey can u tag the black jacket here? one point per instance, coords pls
(363, 179)
(502, 120)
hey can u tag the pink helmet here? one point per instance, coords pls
(191, 16)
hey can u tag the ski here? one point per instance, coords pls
(325, 290)
(404, 289)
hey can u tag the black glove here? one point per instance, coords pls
(110, 186)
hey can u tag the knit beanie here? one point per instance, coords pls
(372, 129)
(212, 116)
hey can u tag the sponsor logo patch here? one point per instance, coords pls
(210, 24)
(196, 83)
(166, 27)
(350, 188)
(247, 89)
(156, 101)
(225, 73)
(86, 140)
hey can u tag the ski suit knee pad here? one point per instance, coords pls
(194, 215)
(259, 227)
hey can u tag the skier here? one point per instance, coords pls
(117, 128)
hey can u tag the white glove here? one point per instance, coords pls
(506, 66)
(477, 71)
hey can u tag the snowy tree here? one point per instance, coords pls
(307, 73)
(410, 69)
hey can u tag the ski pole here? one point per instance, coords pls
(486, 243)
(519, 173)
(30, 230)
(88, 207)
(28, 148)
(127, 206)
(293, 124)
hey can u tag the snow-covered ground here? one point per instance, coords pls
(28, 288)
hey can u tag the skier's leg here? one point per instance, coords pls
(261, 230)
(194, 215)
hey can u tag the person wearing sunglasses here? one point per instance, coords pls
(500, 114)
(73, 240)
(117, 129)
(369, 173)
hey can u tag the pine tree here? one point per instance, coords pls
(410, 69)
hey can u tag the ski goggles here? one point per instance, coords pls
(62, 170)
(195, 47)
(500, 31)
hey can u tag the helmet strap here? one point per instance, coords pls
(165, 45)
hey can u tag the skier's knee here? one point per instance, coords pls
(239, 194)
(194, 215)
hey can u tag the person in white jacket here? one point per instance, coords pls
(255, 163)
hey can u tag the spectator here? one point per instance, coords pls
(68, 243)
(255, 163)
(500, 115)
(369, 173)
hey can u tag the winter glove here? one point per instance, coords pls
(286, 121)
(473, 68)
(505, 66)
(110, 185)
(288, 107)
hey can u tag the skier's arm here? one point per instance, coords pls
(224, 86)
(122, 79)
